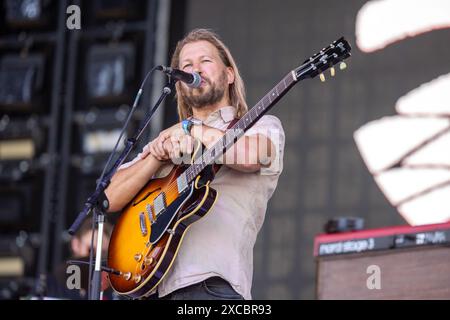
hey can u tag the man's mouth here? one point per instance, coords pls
(203, 82)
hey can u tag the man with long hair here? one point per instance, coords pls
(215, 260)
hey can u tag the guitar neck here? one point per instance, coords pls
(316, 64)
(241, 126)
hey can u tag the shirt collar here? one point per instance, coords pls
(227, 114)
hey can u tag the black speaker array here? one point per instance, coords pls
(64, 95)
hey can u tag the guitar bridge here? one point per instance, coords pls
(142, 224)
(148, 207)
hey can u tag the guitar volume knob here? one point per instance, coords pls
(148, 261)
(127, 276)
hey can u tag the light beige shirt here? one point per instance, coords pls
(221, 244)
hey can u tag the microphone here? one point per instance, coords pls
(192, 80)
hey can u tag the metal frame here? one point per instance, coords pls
(64, 77)
(148, 27)
(57, 38)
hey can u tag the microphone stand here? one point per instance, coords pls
(98, 202)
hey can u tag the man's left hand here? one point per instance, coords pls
(171, 143)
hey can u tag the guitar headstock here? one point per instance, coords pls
(326, 58)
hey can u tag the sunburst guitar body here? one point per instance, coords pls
(150, 230)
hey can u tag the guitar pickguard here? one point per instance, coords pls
(166, 217)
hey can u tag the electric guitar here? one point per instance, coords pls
(146, 239)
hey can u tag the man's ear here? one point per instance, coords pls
(230, 75)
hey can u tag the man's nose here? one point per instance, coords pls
(197, 68)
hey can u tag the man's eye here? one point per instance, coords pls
(187, 66)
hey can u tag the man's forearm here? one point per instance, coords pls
(248, 154)
(126, 183)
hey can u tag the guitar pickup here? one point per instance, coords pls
(159, 205)
(182, 183)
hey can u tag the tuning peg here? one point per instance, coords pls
(343, 65)
(332, 71)
(322, 77)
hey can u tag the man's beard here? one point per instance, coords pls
(206, 96)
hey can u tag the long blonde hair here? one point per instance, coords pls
(236, 89)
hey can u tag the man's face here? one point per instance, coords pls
(202, 57)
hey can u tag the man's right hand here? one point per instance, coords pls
(157, 149)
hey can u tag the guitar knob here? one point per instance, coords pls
(342, 66)
(127, 275)
(137, 278)
(138, 257)
(148, 261)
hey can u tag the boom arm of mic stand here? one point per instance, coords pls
(98, 198)
(99, 203)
